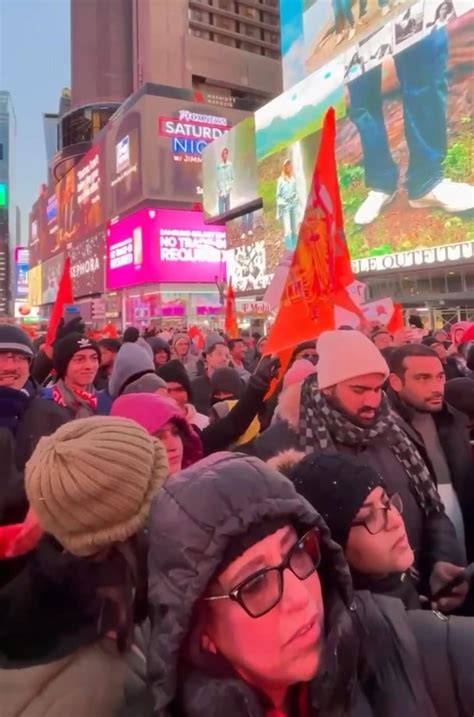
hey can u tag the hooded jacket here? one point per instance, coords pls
(192, 521)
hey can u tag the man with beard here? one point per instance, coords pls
(24, 419)
(343, 409)
(439, 431)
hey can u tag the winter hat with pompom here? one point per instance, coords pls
(91, 483)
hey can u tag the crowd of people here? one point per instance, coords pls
(190, 532)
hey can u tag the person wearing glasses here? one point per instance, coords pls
(24, 418)
(363, 518)
(253, 613)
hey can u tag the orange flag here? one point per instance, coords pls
(230, 322)
(396, 320)
(321, 267)
(63, 297)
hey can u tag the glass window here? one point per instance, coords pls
(1, 151)
(438, 284)
(454, 281)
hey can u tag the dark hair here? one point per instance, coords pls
(111, 344)
(398, 356)
(444, 2)
(379, 332)
(232, 343)
(131, 334)
(415, 321)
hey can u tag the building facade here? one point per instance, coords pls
(8, 212)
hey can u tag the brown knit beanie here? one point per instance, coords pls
(91, 483)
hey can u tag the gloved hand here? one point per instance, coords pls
(75, 326)
(265, 372)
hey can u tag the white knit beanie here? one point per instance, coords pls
(346, 354)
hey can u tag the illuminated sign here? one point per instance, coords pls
(415, 258)
(88, 182)
(22, 262)
(122, 154)
(164, 246)
(191, 132)
(3, 194)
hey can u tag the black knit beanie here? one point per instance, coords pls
(15, 340)
(65, 348)
(130, 335)
(174, 371)
(337, 487)
(226, 380)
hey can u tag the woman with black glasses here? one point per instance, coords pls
(253, 612)
(365, 521)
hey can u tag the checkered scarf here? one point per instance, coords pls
(321, 427)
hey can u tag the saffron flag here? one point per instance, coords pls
(396, 322)
(230, 323)
(321, 268)
(63, 297)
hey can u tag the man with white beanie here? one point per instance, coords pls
(343, 409)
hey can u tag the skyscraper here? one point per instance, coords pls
(7, 206)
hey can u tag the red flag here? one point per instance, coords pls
(321, 268)
(396, 320)
(230, 322)
(196, 336)
(110, 331)
(63, 297)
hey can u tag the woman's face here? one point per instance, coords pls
(386, 552)
(171, 439)
(444, 11)
(288, 169)
(283, 646)
(161, 357)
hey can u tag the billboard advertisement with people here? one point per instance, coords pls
(404, 148)
(230, 171)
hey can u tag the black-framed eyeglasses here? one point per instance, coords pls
(260, 592)
(377, 520)
(313, 358)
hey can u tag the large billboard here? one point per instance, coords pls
(154, 150)
(403, 99)
(230, 171)
(87, 265)
(166, 246)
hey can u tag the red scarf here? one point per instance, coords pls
(84, 397)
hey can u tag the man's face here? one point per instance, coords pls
(82, 368)
(383, 341)
(422, 384)
(219, 357)
(238, 352)
(225, 155)
(14, 369)
(358, 398)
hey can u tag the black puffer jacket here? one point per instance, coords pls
(18, 439)
(193, 518)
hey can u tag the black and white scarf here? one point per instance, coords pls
(321, 427)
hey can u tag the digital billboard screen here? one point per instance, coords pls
(87, 265)
(182, 131)
(404, 150)
(169, 246)
(22, 263)
(230, 171)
